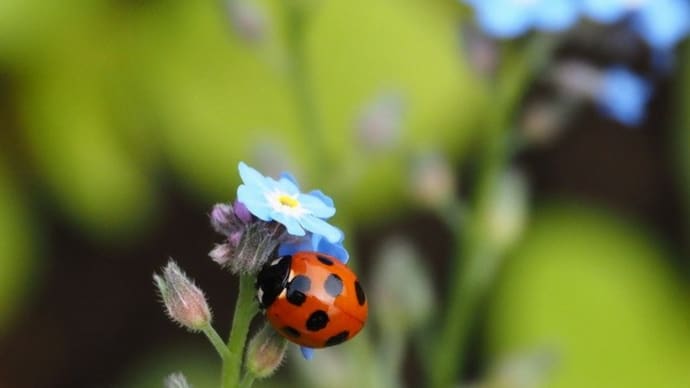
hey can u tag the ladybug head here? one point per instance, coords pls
(272, 280)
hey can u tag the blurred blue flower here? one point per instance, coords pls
(281, 201)
(511, 18)
(661, 23)
(623, 95)
(608, 11)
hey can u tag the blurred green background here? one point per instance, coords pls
(122, 122)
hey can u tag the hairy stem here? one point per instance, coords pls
(245, 309)
(216, 341)
(247, 381)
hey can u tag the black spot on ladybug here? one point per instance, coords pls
(338, 338)
(317, 320)
(325, 260)
(291, 331)
(361, 298)
(333, 285)
(297, 290)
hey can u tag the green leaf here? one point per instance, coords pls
(598, 290)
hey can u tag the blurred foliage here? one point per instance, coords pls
(109, 93)
(109, 90)
(596, 290)
(17, 250)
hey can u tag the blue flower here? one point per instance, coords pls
(623, 95)
(661, 23)
(511, 18)
(282, 201)
(606, 11)
(316, 243)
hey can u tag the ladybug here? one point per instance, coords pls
(312, 299)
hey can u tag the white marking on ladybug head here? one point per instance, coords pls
(275, 262)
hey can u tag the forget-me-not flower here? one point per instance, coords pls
(623, 95)
(661, 23)
(511, 18)
(281, 201)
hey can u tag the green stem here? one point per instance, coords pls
(478, 260)
(392, 352)
(216, 341)
(245, 309)
(247, 381)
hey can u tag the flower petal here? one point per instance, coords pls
(316, 206)
(251, 177)
(291, 223)
(307, 353)
(319, 226)
(336, 250)
(290, 177)
(255, 201)
(323, 197)
(296, 245)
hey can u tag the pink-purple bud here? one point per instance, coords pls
(242, 212)
(265, 352)
(222, 217)
(221, 254)
(185, 303)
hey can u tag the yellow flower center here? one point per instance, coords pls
(288, 201)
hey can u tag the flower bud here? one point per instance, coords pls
(381, 121)
(432, 181)
(507, 213)
(402, 287)
(248, 20)
(221, 254)
(524, 370)
(265, 352)
(176, 380)
(184, 301)
(482, 52)
(247, 252)
(242, 212)
(222, 218)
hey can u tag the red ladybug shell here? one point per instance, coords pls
(312, 299)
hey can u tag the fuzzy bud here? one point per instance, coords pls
(176, 380)
(184, 301)
(402, 287)
(381, 122)
(530, 369)
(248, 20)
(482, 52)
(246, 253)
(265, 352)
(432, 181)
(242, 212)
(507, 214)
